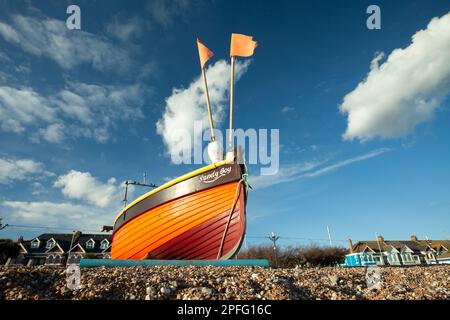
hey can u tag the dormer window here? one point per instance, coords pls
(104, 244)
(90, 244)
(50, 243)
(35, 243)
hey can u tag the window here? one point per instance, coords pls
(57, 260)
(90, 244)
(393, 258)
(50, 244)
(50, 259)
(104, 244)
(35, 243)
(74, 258)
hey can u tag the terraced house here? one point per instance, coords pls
(383, 252)
(62, 248)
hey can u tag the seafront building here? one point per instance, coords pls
(381, 252)
(62, 248)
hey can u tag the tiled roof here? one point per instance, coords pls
(98, 238)
(443, 256)
(360, 246)
(64, 240)
(415, 246)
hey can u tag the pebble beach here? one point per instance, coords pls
(226, 283)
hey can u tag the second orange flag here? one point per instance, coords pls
(242, 45)
(204, 53)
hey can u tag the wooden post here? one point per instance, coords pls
(208, 103)
(231, 135)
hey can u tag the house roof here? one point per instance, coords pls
(361, 245)
(443, 256)
(415, 246)
(98, 238)
(64, 240)
(441, 243)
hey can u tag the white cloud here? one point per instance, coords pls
(23, 106)
(38, 189)
(165, 12)
(346, 162)
(78, 110)
(21, 169)
(102, 203)
(54, 133)
(287, 109)
(99, 107)
(405, 90)
(185, 106)
(308, 170)
(4, 57)
(284, 174)
(83, 186)
(46, 213)
(126, 30)
(50, 38)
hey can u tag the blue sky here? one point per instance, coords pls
(79, 108)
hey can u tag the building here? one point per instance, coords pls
(62, 248)
(383, 252)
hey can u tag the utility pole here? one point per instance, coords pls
(145, 177)
(274, 239)
(329, 236)
(71, 246)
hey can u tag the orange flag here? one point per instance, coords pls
(204, 53)
(241, 45)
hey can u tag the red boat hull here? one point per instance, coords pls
(202, 218)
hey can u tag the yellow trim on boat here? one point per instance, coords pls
(172, 182)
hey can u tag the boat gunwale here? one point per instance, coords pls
(204, 180)
(172, 183)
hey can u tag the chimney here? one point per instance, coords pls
(350, 245)
(380, 239)
(414, 238)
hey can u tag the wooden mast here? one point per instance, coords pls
(208, 103)
(230, 152)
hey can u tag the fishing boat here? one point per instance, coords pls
(200, 215)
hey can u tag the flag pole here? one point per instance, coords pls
(231, 135)
(208, 103)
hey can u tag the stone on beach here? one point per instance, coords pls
(227, 283)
